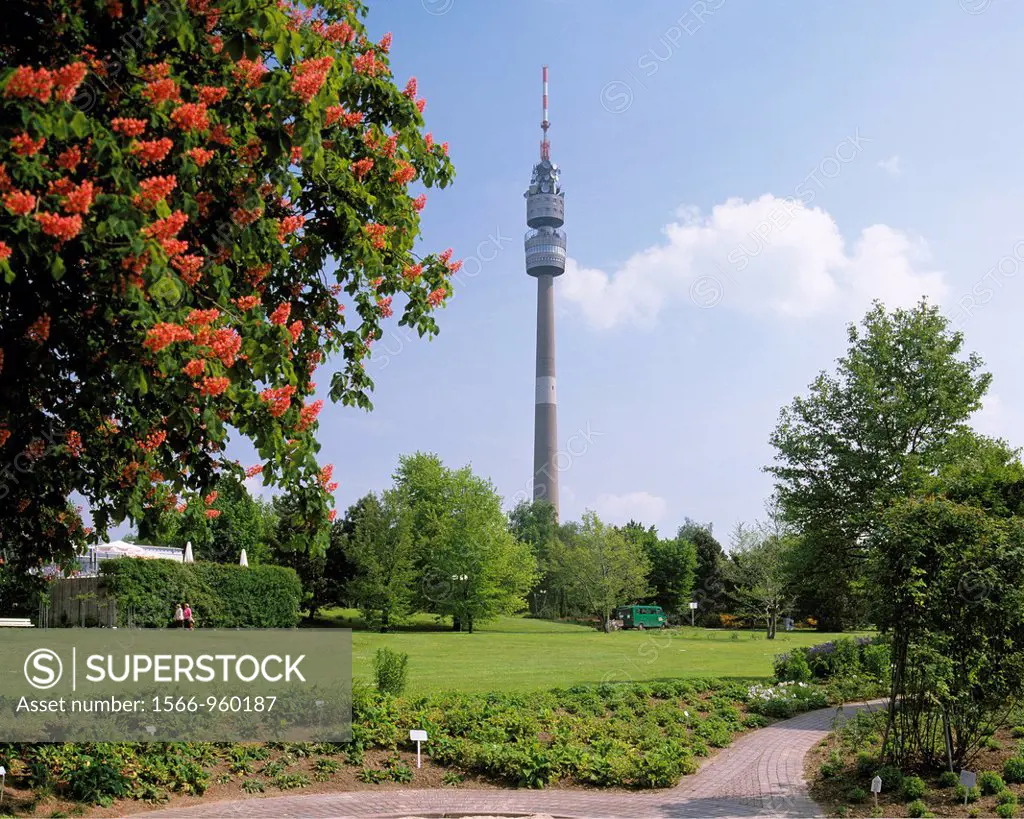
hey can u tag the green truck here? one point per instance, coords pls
(641, 617)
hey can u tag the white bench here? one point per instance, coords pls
(15, 622)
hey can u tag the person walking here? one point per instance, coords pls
(189, 622)
(179, 617)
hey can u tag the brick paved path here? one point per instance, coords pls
(761, 774)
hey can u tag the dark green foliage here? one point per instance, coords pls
(892, 779)
(98, 784)
(857, 795)
(913, 787)
(1006, 797)
(221, 596)
(1013, 770)
(843, 657)
(990, 782)
(390, 670)
(917, 808)
(970, 794)
(948, 779)
(1006, 810)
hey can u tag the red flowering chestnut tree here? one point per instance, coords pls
(201, 201)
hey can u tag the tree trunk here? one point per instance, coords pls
(456, 623)
(470, 620)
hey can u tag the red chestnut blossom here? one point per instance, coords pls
(421, 105)
(428, 141)
(249, 72)
(280, 315)
(79, 199)
(191, 116)
(68, 160)
(384, 305)
(289, 225)
(151, 151)
(152, 441)
(377, 233)
(332, 515)
(279, 399)
(199, 318)
(4, 435)
(437, 296)
(214, 386)
(164, 90)
(166, 228)
(243, 217)
(128, 126)
(248, 302)
(419, 202)
(212, 513)
(413, 271)
(404, 174)
(19, 203)
(410, 88)
(67, 79)
(326, 473)
(295, 328)
(211, 498)
(73, 441)
(366, 64)
(5, 254)
(194, 368)
(24, 145)
(212, 94)
(153, 190)
(309, 76)
(40, 330)
(339, 33)
(385, 43)
(226, 344)
(188, 268)
(254, 470)
(30, 83)
(165, 333)
(308, 414)
(156, 71)
(63, 228)
(361, 167)
(200, 155)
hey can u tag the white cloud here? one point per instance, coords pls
(640, 506)
(769, 255)
(891, 166)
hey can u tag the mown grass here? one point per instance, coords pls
(524, 654)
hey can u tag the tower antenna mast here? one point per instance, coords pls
(545, 146)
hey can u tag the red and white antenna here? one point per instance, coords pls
(545, 146)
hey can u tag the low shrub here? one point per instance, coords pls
(913, 788)
(990, 782)
(857, 795)
(785, 699)
(1013, 769)
(98, 784)
(1006, 810)
(892, 779)
(949, 779)
(971, 795)
(917, 808)
(390, 670)
(1006, 797)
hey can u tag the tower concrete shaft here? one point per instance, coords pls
(545, 419)
(545, 259)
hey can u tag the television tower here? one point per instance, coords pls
(545, 259)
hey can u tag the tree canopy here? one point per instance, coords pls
(868, 435)
(198, 206)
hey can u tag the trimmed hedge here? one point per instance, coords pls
(221, 596)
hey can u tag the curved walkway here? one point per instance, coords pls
(761, 774)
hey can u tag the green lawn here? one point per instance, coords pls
(520, 654)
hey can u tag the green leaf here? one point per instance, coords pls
(79, 124)
(235, 46)
(57, 268)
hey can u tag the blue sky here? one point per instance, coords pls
(875, 147)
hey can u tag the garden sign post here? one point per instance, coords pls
(3, 782)
(876, 786)
(967, 779)
(418, 737)
(693, 608)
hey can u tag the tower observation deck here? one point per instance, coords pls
(545, 259)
